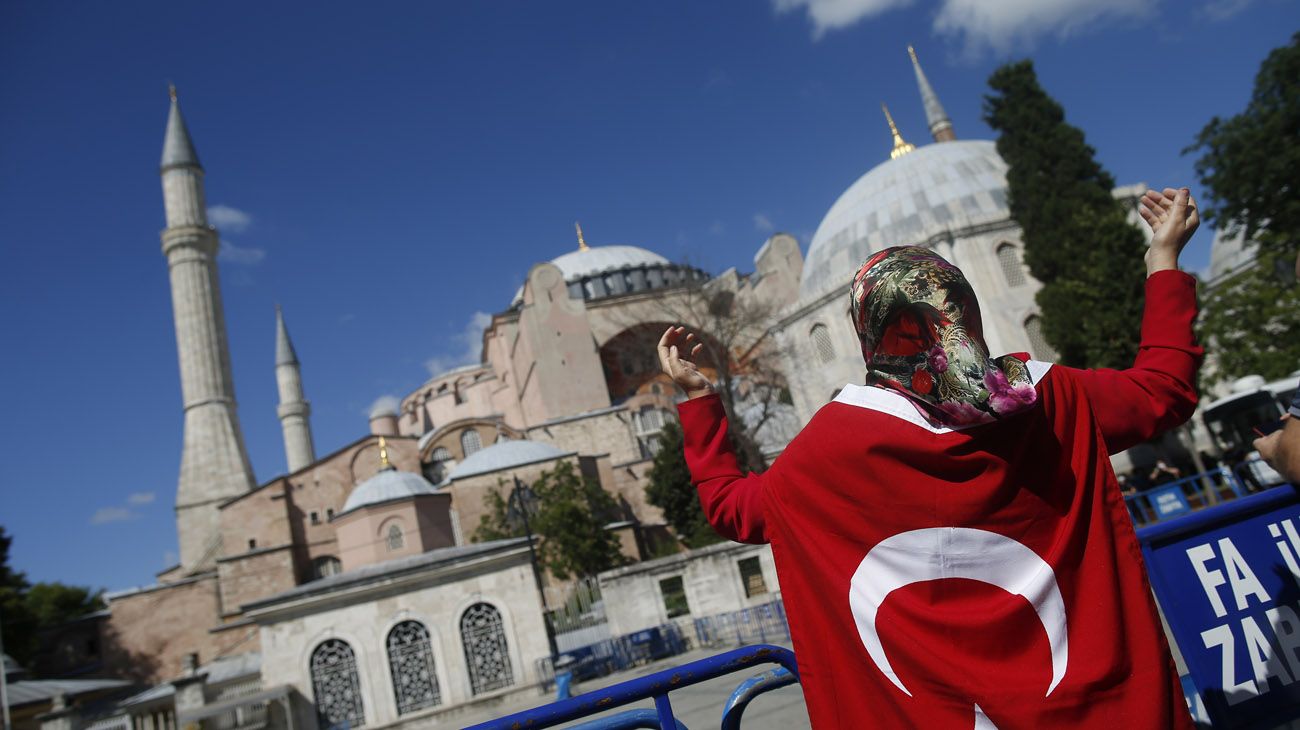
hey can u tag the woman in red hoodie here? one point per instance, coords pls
(951, 543)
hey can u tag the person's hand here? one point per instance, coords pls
(1173, 218)
(683, 371)
(1267, 445)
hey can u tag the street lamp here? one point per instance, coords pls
(526, 498)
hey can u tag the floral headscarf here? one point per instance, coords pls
(919, 324)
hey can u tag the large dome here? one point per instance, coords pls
(606, 271)
(504, 455)
(386, 486)
(936, 189)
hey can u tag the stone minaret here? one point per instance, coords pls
(214, 465)
(294, 410)
(940, 124)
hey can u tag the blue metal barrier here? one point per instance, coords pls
(751, 688)
(757, 624)
(1175, 498)
(656, 686)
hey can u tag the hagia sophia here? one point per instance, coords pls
(340, 575)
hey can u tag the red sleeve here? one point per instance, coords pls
(1159, 391)
(732, 502)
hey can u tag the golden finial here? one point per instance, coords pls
(582, 245)
(171, 90)
(383, 455)
(900, 147)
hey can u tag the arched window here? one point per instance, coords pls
(337, 687)
(1038, 345)
(470, 441)
(395, 541)
(440, 454)
(325, 566)
(486, 653)
(410, 657)
(821, 339)
(1012, 270)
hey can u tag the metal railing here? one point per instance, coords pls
(1181, 496)
(756, 624)
(657, 686)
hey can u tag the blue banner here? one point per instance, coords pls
(1228, 581)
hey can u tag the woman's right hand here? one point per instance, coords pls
(683, 371)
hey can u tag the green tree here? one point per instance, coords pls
(568, 511)
(670, 489)
(1248, 166)
(26, 609)
(1077, 239)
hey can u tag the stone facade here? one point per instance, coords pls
(710, 577)
(435, 593)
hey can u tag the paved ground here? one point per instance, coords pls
(699, 706)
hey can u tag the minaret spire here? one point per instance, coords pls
(214, 463)
(294, 409)
(935, 116)
(900, 147)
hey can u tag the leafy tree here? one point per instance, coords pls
(1248, 165)
(670, 489)
(1077, 239)
(1251, 317)
(569, 512)
(26, 609)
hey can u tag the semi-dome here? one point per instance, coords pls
(913, 199)
(388, 485)
(504, 455)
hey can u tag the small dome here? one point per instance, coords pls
(386, 486)
(504, 455)
(906, 201)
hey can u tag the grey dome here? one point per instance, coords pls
(386, 486)
(604, 271)
(504, 455)
(910, 200)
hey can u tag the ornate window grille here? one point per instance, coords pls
(821, 338)
(1012, 270)
(410, 657)
(486, 653)
(395, 541)
(470, 441)
(336, 685)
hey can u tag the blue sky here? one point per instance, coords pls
(388, 173)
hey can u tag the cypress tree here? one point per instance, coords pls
(1077, 239)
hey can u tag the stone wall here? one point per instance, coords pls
(711, 578)
(364, 617)
(254, 575)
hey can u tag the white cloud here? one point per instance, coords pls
(383, 405)
(763, 223)
(835, 14)
(230, 219)
(998, 25)
(105, 515)
(139, 498)
(1009, 25)
(239, 254)
(1224, 9)
(716, 228)
(466, 346)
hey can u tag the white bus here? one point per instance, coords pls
(1231, 420)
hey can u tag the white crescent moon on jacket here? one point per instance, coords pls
(956, 552)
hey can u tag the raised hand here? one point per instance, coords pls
(1173, 218)
(683, 371)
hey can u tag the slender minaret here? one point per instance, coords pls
(940, 124)
(294, 410)
(214, 464)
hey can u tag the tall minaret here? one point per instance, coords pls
(214, 465)
(294, 410)
(940, 124)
